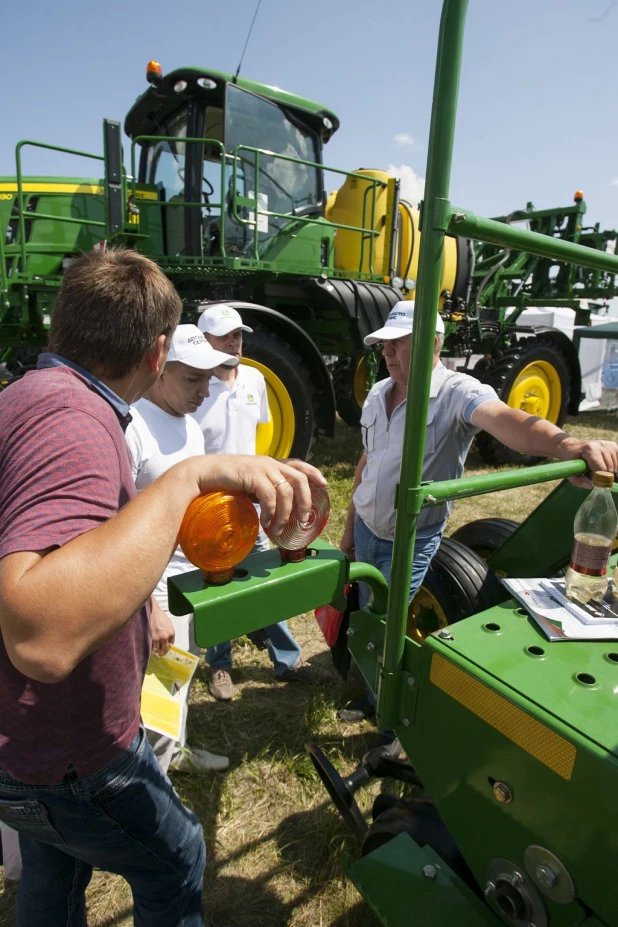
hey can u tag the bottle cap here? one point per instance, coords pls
(603, 479)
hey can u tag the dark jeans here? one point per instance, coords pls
(126, 819)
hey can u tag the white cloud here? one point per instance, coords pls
(614, 182)
(412, 186)
(403, 138)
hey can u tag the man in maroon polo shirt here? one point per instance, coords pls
(79, 558)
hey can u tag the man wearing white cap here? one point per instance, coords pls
(459, 407)
(161, 434)
(229, 417)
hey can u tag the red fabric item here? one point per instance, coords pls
(65, 469)
(330, 619)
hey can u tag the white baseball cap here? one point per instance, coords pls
(220, 320)
(190, 347)
(399, 323)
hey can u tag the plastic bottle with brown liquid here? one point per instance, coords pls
(595, 529)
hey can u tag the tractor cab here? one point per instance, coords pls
(234, 162)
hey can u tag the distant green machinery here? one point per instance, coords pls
(227, 190)
(511, 739)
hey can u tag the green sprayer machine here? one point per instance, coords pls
(227, 190)
(512, 739)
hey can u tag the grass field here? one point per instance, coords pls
(275, 846)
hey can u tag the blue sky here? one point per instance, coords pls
(537, 100)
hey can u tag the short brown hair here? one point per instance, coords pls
(110, 310)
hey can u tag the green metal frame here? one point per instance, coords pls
(21, 195)
(439, 217)
(243, 202)
(372, 186)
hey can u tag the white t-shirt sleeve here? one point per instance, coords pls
(264, 410)
(135, 448)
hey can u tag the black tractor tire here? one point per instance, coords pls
(347, 394)
(503, 374)
(457, 584)
(485, 535)
(419, 818)
(274, 354)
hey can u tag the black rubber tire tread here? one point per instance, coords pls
(343, 384)
(461, 581)
(485, 534)
(503, 374)
(273, 352)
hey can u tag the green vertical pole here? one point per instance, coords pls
(434, 218)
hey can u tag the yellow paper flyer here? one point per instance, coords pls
(165, 685)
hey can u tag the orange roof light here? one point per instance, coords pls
(154, 72)
(217, 532)
(579, 195)
(297, 535)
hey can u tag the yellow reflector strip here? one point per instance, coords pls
(521, 728)
(83, 188)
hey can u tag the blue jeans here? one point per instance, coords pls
(368, 548)
(283, 650)
(126, 819)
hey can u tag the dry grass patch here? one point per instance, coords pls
(275, 845)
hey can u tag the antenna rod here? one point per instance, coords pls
(235, 78)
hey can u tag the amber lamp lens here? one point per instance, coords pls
(297, 534)
(217, 532)
(153, 67)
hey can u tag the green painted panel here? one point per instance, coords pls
(480, 731)
(547, 679)
(264, 591)
(392, 881)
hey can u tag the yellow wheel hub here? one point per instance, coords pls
(538, 391)
(360, 382)
(275, 438)
(425, 615)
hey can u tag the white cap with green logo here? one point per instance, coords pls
(220, 319)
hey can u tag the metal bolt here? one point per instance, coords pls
(490, 888)
(405, 722)
(351, 632)
(545, 876)
(446, 635)
(430, 500)
(502, 793)
(371, 646)
(429, 871)
(459, 217)
(411, 681)
(517, 880)
(380, 658)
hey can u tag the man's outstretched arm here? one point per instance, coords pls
(59, 605)
(538, 437)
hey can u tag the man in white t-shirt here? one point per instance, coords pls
(161, 434)
(229, 417)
